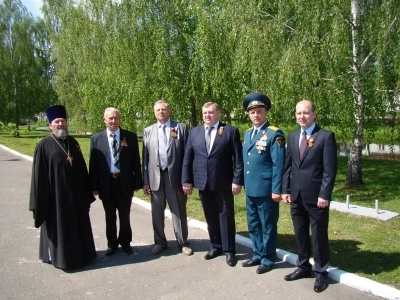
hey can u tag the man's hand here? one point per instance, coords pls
(187, 188)
(146, 189)
(322, 203)
(276, 197)
(236, 189)
(286, 198)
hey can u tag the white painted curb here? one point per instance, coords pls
(17, 153)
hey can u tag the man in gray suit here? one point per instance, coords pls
(163, 149)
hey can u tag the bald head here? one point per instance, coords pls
(305, 113)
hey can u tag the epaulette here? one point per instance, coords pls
(250, 129)
(273, 128)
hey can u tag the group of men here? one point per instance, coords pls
(210, 158)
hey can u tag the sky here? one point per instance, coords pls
(33, 6)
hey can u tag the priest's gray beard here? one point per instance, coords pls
(60, 133)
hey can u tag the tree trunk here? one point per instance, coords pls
(354, 167)
(193, 117)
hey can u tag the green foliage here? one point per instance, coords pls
(26, 70)
(129, 55)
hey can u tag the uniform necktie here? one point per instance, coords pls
(115, 152)
(254, 133)
(303, 144)
(208, 138)
(163, 147)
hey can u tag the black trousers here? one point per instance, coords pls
(218, 207)
(304, 215)
(115, 203)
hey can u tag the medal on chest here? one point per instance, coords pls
(261, 144)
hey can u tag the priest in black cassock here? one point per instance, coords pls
(60, 197)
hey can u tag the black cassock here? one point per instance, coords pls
(60, 200)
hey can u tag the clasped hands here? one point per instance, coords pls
(322, 203)
(188, 188)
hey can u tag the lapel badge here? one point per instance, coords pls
(124, 143)
(310, 141)
(173, 133)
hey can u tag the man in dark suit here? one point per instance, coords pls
(163, 148)
(115, 172)
(307, 184)
(213, 164)
(264, 158)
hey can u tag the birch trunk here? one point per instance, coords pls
(354, 166)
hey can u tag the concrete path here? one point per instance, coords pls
(140, 276)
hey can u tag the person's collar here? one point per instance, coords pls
(168, 123)
(309, 130)
(259, 127)
(215, 126)
(116, 132)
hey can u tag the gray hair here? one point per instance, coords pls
(111, 109)
(161, 102)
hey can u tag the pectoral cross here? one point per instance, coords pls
(70, 159)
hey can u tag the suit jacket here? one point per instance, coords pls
(99, 164)
(175, 152)
(263, 169)
(222, 167)
(314, 175)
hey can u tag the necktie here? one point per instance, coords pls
(162, 148)
(208, 138)
(303, 144)
(115, 152)
(254, 133)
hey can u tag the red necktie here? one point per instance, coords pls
(303, 144)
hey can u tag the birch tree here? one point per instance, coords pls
(25, 66)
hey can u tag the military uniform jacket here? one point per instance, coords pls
(264, 158)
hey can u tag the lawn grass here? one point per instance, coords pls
(364, 246)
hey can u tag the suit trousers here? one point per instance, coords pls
(123, 205)
(305, 214)
(218, 207)
(262, 219)
(177, 204)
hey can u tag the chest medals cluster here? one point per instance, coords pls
(261, 144)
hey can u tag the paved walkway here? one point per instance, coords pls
(140, 276)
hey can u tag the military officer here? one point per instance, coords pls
(264, 158)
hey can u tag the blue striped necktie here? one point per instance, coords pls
(115, 152)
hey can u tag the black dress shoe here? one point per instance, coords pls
(127, 250)
(297, 274)
(320, 284)
(251, 263)
(213, 254)
(111, 250)
(263, 269)
(231, 260)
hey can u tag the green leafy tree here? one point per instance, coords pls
(25, 66)
(342, 55)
